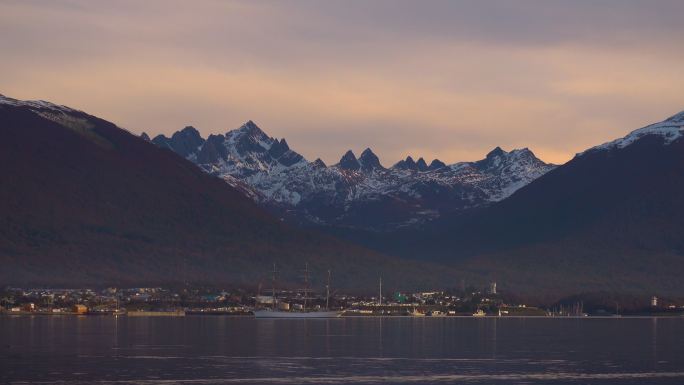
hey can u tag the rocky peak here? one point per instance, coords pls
(499, 159)
(249, 127)
(523, 153)
(213, 150)
(145, 137)
(496, 152)
(278, 148)
(190, 130)
(349, 161)
(162, 141)
(493, 159)
(190, 134)
(289, 157)
(318, 163)
(406, 164)
(369, 161)
(186, 141)
(436, 164)
(421, 165)
(249, 138)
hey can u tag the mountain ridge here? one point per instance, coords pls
(609, 219)
(356, 192)
(85, 202)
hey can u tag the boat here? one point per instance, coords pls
(435, 313)
(479, 313)
(284, 311)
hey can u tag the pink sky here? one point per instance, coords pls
(447, 80)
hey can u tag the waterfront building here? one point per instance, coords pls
(79, 309)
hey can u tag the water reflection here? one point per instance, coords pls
(354, 350)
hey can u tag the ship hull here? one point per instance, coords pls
(295, 314)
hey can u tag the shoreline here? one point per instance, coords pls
(181, 314)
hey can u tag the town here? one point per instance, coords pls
(186, 301)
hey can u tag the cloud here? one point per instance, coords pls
(449, 80)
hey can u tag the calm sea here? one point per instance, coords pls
(227, 350)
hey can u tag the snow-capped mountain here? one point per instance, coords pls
(59, 114)
(355, 192)
(83, 201)
(614, 211)
(669, 130)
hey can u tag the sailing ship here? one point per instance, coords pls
(285, 312)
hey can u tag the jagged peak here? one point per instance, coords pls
(160, 137)
(319, 163)
(216, 137)
(369, 160)
(523, 152)
(251, 128)
(421, 165)
(145, 137)
(498, 158)
(497, 151)
(349, 155)
(436, 164)
(249, 137)
(188, 133)
(367, 152)
(189, 130)
(406, 164)
(349, 161)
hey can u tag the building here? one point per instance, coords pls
(79, 309)
(492, 288)
(654, 301)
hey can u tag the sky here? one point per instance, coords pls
(438, 79)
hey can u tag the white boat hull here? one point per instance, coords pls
(295, 314)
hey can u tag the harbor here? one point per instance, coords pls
(307, 303)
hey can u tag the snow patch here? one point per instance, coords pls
(670, 130)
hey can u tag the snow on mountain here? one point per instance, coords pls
(669, 129)
(36, 105)
(356, 192)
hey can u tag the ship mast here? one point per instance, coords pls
(380, 297)
(327, 292)
(306, 283)
(273, 280)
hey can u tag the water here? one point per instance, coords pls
(227, 350)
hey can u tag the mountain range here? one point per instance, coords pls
(84, 202)
(358, 193)
(610, 219)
